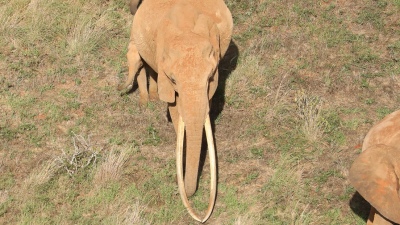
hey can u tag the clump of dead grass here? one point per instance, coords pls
(86, 34)
(246, 220)
(133, 214)
(309, 110)
(39, 175)
(33, 17)
(112, 166)
(72, 161)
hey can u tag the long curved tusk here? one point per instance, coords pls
(179, 168)
(213, 169)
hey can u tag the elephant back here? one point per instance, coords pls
(386, 132)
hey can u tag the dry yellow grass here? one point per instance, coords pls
(40, 175)
(111, 167)
(309, 109)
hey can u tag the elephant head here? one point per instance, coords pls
(187, 80)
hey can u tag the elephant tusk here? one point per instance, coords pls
(179, 168)
(213, 169)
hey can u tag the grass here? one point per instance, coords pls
(309, 80)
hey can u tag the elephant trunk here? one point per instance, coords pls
(194, 133)
(213, 169)
(194, 116)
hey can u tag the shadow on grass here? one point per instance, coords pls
(360, 206)
(226, 66)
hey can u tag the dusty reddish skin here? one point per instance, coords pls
(183, 42)
(376, 172)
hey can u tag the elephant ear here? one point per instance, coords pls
(166, 91)
(214, 40)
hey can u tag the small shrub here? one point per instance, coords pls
(80, 158)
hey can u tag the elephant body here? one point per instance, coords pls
(182, 41)
(376, 172)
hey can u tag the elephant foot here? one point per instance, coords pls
(153, 96)
(124, 89)
(143, 100)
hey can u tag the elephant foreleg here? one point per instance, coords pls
(147, 93)
(134, 64)
(152, 84)
(142, 83)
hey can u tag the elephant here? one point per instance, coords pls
(183, 41)
(376, 172)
